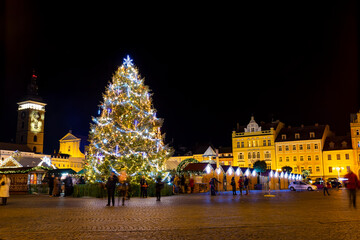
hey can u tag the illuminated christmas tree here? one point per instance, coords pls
(126, 134)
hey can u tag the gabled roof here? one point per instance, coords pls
(209, 152)
(69, 136)
(14, 147)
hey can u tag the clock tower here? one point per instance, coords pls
(31, 116)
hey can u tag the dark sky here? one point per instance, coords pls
(209, 66)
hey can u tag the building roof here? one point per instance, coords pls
(198, 167)
(225, 167)
(303, 131)
(69, 136)
(14, 147)
(264, 126)
(337, 143)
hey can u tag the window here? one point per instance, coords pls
(264, 142)
(242, 144)
(258, 155)
(330, 169)
(309, 158)
(310, 169)
(337, 156)
(301, 158)
(294, 147)
(283, 136)
(294, 158)
(249, 155)
(22, 139)
(287, 148)
(241, 156)
(357, 132)
(316, 146)
(238, 144)
(249, 142)
(35, 138)
(317, 168)
(295, 169)
(34, 149)
(317, 157)
(254, 155)
(280, 148)
(297, 135)
(308, 146)
(300, 147)
(69, 149)
(347, 156)
(287, 159)
(302, 169)
(267, 155)
(22, 124)
(312, 134)
(329, 157)
(269, 142)
(280, 159)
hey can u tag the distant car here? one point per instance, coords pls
(334, 182)
(319, 185)
(298, 185)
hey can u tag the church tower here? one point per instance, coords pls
(31, 116)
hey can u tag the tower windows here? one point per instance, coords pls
(35, 138)
(34, 149)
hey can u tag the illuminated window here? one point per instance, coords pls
(254, 155)
(249, 155)
(295, 169)
(312, 135)
(309, 158)
(269, 142)
(301, 158)
(242, 144)
(258, 155)
(280, 159)
(302, 169)
(294, 147)
(241, 156)
(280, 148)
(317, 157)
(300, 147)
(238, 144)
(287, 159)
(316, 146)
(264, 142)
(330, 169)
(283, 136)
(267, 155)
(308, 146)
(337, 156)
(347, 157)
(286, 148)
(317, 169)
(329, 157)
(310, 169)
(294, 158)
(297, 135)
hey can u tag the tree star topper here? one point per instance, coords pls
(128, 61)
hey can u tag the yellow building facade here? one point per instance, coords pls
(301, 148)
(255, 142)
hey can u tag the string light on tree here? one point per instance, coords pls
(126, 134)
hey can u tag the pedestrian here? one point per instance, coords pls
(241, 184)
(191, 184)
(82, 180)
(158, 186)
(143, 187)
(233, 184)
(212, 183)
(186, 185)
(51, 184)
(57, 187)
(352, 183)
(123, 187)
(246, 185)
(111, 186)
(176, 184)
(182, 183)
(325, 188)
(68, 186)
(4, 188)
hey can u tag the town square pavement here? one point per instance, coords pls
(287, 215)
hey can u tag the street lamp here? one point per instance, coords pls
(338, 170)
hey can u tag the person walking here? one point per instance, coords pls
(212, 183)
(68, 186)
(325, 188)
(51, 184)
(191, 184)
(233, 184)
(158, 186)
(57, 187)
(111, 186)
(246, 185)
(143, 187)
(241, 184)
(4, 188)
(352, 183)
(123, 187)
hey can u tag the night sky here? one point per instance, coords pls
(209, 66)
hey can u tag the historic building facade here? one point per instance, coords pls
(255, 142)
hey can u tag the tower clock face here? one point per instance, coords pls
(36, 123)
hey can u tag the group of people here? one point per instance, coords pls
(122, 184)
(56, 186)
(243, 184)
(183, 184)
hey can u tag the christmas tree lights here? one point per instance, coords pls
(126, 135)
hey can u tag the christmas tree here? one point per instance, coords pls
(126, 134)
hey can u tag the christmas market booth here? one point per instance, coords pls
(202, 173)
(23, 177)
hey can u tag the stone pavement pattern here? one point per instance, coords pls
(288, 215)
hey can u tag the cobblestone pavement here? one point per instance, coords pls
(288, 215)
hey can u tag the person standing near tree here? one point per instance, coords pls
(111, 186)
(352, 183)
(143, 187)
(4, 188)
(158, 186)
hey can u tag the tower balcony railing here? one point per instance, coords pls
(242, 134)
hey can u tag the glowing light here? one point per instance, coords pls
(218, 170)
(208, 169)
(128, 61)
(286, 175)
(276, 174)
(31, 105)
(238, 171)
(230, 171)
(254, 173)
(247, 172)
(271, 174)
(282, 174)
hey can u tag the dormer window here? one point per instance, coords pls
(283, 137)
(312, 134)
(344, 144)
(297, 135)
(332, 145)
